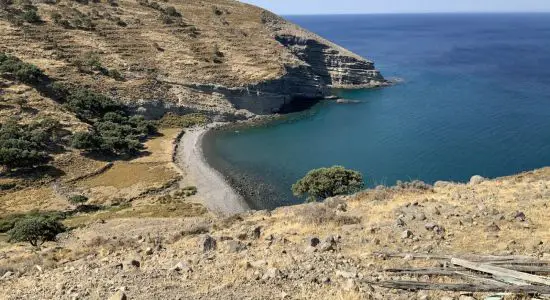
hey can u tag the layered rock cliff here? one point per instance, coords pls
(214, 55)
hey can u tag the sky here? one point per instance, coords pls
(304, 7)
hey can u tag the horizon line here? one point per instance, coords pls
(417, 13)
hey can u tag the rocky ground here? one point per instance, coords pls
(323, 250)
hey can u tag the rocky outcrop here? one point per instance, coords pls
(319, 66)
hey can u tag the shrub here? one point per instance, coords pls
(323, 183)
(78, 200)
(171, 11)
(36, 230)
(115, 74)
(24, 72)
(85, 141)
(89, 105)
(31, 16)
(176, 121)
(24, 145)
(56, 17)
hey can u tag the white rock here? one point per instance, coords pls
(476, 179)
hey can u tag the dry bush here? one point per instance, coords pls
(378, 194)
(321, 213)
(196, 226)
(414, 184)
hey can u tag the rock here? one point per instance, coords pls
(422, 295)
(399, 222)
(520, 216)
(430, 226)
(257, 264)
(7, 275)
(314, 241)
(271, 273)
(350, 286)
(408, 257)
(446, 298)
(466, 297)
(208, 243)
(235, 246)
(182, 267)
(255, 232)
(311, 249)
(421, 216)
(345, 274)
(406, 234)
(149, 251)
(132, 263)
(118, 296)
(476, 179)
(441, 184)
(328, 245)
(493, 227)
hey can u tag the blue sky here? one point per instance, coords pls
(298, 7)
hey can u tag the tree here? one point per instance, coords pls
(36, 230)
(323, 183)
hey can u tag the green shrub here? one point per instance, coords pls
(24, 145)
(172, 120)
(89, 105)
(85, 141)
(36, 230)
(323, 183)
(171, 11)
(24, 72)
(78, 200)
(31, 16)
(115, 74)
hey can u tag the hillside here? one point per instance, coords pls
(214, 55)
(338, 249)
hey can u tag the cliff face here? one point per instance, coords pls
(217, 56)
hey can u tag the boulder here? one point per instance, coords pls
(314, 241)
(271, 273)
(476, 179)
(406, 234)
(132, 263)
(235, 246)
(182, 267)
(208, 243)
(118, 296)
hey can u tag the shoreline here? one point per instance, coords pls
(215, 191)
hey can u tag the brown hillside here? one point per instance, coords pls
(169, 51)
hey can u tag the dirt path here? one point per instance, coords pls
(216, 194)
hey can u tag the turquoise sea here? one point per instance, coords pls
(475, 99)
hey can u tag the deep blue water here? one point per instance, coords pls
(475, 100)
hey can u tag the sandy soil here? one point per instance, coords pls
(216, 193)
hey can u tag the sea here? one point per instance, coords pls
(472, 98)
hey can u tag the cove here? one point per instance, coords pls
(474, 99)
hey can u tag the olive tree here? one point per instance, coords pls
(323, 183)
(36, 230)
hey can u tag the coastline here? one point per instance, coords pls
(214, 190)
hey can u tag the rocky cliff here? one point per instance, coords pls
(214, 55)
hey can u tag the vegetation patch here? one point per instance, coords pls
(36, 230)
(24, 146)
(171, 120)
(323, 183)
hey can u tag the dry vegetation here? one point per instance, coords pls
(262, 254)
